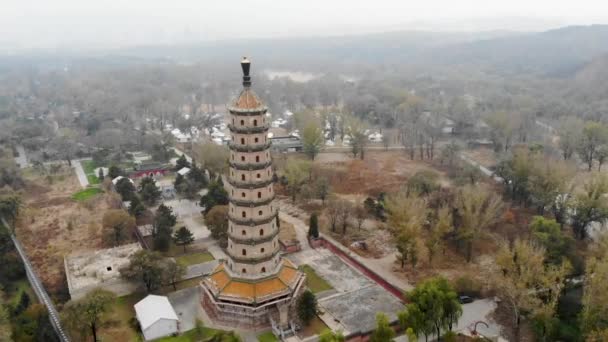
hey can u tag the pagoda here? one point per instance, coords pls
(255, 287)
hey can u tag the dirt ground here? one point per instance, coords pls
(482, 155)
(53, 225)
(379, 172)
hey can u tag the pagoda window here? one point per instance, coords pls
(244, 271)
(243, 232)
(233, 121)
(244, 252)
(244, 214)
(258, 175)
(256, 139)
(242, 177)
(260, 213)
(259, 194)
(243, 194)
(255, 122)
(257, 159)
(261, 232)
(242, 141)
(242, 158)
(242, 122)
(263, 269)
(262, 250)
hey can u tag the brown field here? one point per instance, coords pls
(482, 155)
(53, 225)
(378, 172)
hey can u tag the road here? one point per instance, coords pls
(39, 289)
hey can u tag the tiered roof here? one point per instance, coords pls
(253, 291)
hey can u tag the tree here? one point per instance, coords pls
(117, 224)
(306, 307)
(502, 127)
(312, 139)
(212, 157)
(296, 172)
(322, 189)
(100, 175)
(346, 210)
(438, 229)
(433, 307)
(478, 207)
(173, 272)
(115, 171)
(197, 178)
(181, 163)
(86, 313)
(360, 215)
(570, 131)
(601, 156)
(407, 214)
(136, 208)
(383, 331)
(183, 237)
(163, 223)
(125, 188)
(217, 222)
(356, 131)
(589, 205)
(216, 195)
(548, 233)
(146, 267)
(449, 153)
(423, 182)
(593, 136)
(10, 204)
(330, 336)
(595, 294)
(5, 323)
(527, 283)
(313, 227)
(148, 191)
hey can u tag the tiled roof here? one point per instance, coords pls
(252, 290)
(247, 100)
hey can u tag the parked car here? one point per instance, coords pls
(465, 299)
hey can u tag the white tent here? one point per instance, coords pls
(156, 317)
(183, 171)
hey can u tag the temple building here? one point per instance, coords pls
(255, 287)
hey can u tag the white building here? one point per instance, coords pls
(156, 317)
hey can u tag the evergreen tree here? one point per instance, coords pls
(383, 332)
(313, 228)
(307, 307)
(216, 195)
(181, 163)
(183, 237)
(114, 171)
(125, 188)
(179, 179)
(136, 208)
(148, 191)
(100, 174)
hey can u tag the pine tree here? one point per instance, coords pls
(313, 228)
(183, 237)
(307, 306)
(101, 175)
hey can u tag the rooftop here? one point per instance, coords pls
(247, 290)
(153, 308)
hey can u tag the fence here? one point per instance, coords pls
(39, 289)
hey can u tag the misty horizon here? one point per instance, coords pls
(68, 24)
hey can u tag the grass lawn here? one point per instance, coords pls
(190, 336)
(195, 258)
(315, 327)
(267, 337)
(86, 194)
(93, 180)
(88, 166)
(116, 325)
(314, 282)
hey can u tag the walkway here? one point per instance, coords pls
(82, 176)
(21, 159)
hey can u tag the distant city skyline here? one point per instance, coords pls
(61, 24)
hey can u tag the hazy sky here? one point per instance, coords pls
(112, 23)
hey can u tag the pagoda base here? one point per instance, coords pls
(277, 314)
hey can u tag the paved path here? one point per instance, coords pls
(82, 177)
(201, 269)
(21, 160)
